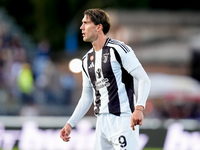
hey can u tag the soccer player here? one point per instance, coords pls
(108, 71)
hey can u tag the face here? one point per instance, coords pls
(89, 29)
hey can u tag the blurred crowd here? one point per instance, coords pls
(166, 108)
(27, 82)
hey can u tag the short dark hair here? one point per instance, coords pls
(99, 16)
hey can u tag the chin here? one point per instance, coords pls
(85, 40)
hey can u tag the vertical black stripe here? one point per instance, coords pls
(127, 79)
(114, 103)
(91, 72)
(83, 67)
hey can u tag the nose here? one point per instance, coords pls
(81, 27)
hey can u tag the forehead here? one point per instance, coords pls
(86, 18)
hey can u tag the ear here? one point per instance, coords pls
(99, 27)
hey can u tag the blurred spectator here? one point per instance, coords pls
(52, 84)
(68, 85)
(15, 58)
(40, 62)
(41, 59)
(25, 84)
(48, 85)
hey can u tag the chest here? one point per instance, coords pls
(103, 63)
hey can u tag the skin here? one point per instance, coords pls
(94, 34)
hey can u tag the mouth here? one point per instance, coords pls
(83, 34)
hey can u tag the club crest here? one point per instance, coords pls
(105, 57)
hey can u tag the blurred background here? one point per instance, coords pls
(40, 82)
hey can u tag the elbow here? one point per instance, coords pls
(147, 82)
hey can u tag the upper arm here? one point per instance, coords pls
(128, 58)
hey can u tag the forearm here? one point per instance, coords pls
(82, 106)
(144, 84)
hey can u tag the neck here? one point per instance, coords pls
(99, 43)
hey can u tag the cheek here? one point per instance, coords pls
(90, 29)
(90, 32)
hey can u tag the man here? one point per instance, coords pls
(108, 71)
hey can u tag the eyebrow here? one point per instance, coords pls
(86, 21)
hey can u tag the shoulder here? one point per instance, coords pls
(118, 45)
(86, 55)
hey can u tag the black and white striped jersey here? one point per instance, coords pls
(107, 71)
